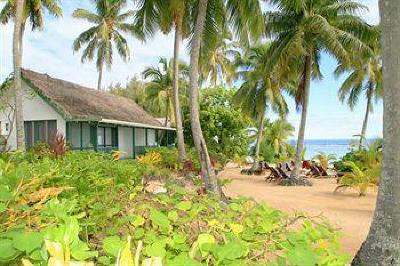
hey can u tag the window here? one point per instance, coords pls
(39, 131)
(107, 137)
(151, 137)
(81, 135)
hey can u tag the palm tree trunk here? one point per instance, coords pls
(166, 115)
(367, 111)
(177, 106)
(207, 171)
(100, 76)
(382, 246)
(259, 138)
(302, 129)
(17, 53)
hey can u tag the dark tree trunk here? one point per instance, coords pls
(382, 246)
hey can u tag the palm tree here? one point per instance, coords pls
(168, 15)
(303, 29)
(218, 64)
(17, 53)
(32, 10)
(278, 134)
(21, 11)
(260, 90)
(109, 21)
(365, 77)
(382, 244)
(243, 16)
(159, 92)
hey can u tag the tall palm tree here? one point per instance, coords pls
(168, 15)
(382, 244)
(159, 92)
(109, 21)
(21, 11)
(32, 10)
(245, 18)
(303, 29)
(260, 90)
(365, 77)
(17, 56)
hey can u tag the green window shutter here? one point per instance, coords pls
(93, 135)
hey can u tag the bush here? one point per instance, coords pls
(85, 205)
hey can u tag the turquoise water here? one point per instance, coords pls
(339, 147)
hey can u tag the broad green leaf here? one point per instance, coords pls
(28, 241)
(232, 251)
(7, 251)
(80, 251)
(173, 216)
(112, 245)
(5, 194)
(137, 220)
(184, 205)
(159, 219)
(157, 249)
(299, 256)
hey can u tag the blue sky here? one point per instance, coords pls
(50, 51)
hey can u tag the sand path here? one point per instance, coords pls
(346, 210)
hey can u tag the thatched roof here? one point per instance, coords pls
(76, 102)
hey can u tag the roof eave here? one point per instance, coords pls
(133, 124)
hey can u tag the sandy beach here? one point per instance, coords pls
(346, 210)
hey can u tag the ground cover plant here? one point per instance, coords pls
(361, 167)
(83, 207)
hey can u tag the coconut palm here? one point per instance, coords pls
(32, 10)
(21, 11)
(17, 58)
(159, 92)
(365, 77)
(217, 65)
(303, 29)
(381, 245)
(109, 21)
(278, 134)
(260, 91)
(168, 15)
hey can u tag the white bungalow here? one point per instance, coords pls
(89, 119)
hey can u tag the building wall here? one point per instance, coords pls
(125, 141)
(34, 108)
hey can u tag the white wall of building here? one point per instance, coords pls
(34, 108)
(125, 141)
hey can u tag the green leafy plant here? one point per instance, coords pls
(359, 179)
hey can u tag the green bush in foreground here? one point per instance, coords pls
(89, 204)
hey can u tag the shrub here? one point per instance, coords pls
(85, 204)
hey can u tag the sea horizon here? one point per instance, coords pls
(338, 147)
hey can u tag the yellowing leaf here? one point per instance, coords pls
(125, 258)
(55, 250)
(155, 261)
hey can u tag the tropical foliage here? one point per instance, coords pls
(109, 19)
(65, 210)
(159, 91)
(362, 167)
(224, 126)
(302, 30)
(275, 145)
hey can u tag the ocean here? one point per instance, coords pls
(339, 147)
